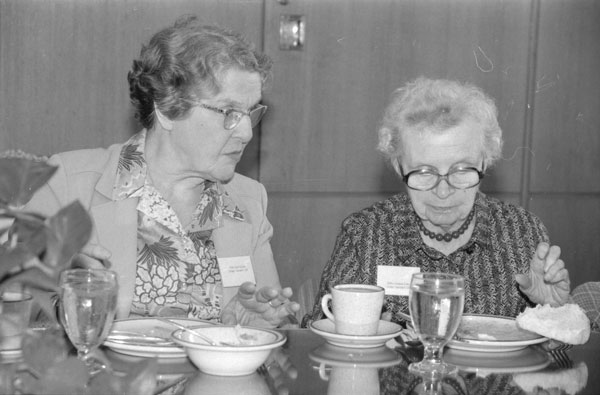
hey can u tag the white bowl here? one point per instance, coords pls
(251, 348)
(203, 383)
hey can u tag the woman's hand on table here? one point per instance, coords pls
(547, 281)
(267, 307)
(92, 256)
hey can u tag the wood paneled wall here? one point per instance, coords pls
(538, 59)
(564, 187)
(318, 157)
(64, 64)
(63, 67)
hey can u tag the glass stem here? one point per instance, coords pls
(432, 386)
(432, 354)
(95, 362)
(83, 355)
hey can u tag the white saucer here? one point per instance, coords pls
(12, 355)
(524, 360)
(326, 329)
(337, 356)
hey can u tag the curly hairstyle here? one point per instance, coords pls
(436, 106)
(184, 63)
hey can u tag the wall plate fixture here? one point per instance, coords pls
(292, 30)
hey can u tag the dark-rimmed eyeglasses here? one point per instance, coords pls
(233, 117)
(458, 178)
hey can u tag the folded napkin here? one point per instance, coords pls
(567, 323)
(552, 381)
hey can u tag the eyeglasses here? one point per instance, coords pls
(458, 178)
(233, 117)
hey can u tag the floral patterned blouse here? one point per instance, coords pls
(177, 272)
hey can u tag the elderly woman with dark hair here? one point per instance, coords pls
(440, 137)
(187, 235)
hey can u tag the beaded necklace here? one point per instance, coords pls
(447, 236)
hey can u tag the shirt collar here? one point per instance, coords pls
(214, 204)
(132, 168)
(132, 178)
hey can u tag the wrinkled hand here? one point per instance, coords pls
(280, 369)
(386, 316)
(268, 307)
(547, 281)
(92, 256)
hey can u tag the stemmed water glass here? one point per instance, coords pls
(88, 302)
(436, 302)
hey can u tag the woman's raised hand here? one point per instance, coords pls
(92, 256)
(547, 281)
(267, 307)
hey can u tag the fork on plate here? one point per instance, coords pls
(558, 351)
(560, 357)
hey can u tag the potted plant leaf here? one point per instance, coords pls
(34, 249)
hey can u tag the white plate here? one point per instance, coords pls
(151, 327)
(11, 355)
(331, 355)
(122, 363)
(492, 334)
(326, 329)
(524, 360)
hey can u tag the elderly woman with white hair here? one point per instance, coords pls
(440, 137)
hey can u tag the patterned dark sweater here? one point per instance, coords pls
(502, 244)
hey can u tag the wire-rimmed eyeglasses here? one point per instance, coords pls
(233, 117)
(458, 178)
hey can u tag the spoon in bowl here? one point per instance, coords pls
(207, 339)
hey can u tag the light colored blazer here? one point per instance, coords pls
(89, 175)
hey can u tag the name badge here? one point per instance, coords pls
(236, 270)
(395, 279)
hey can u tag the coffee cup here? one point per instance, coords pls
(349, 380)
(356, 308)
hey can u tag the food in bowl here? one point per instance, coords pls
(242, 350)
(244, 337)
